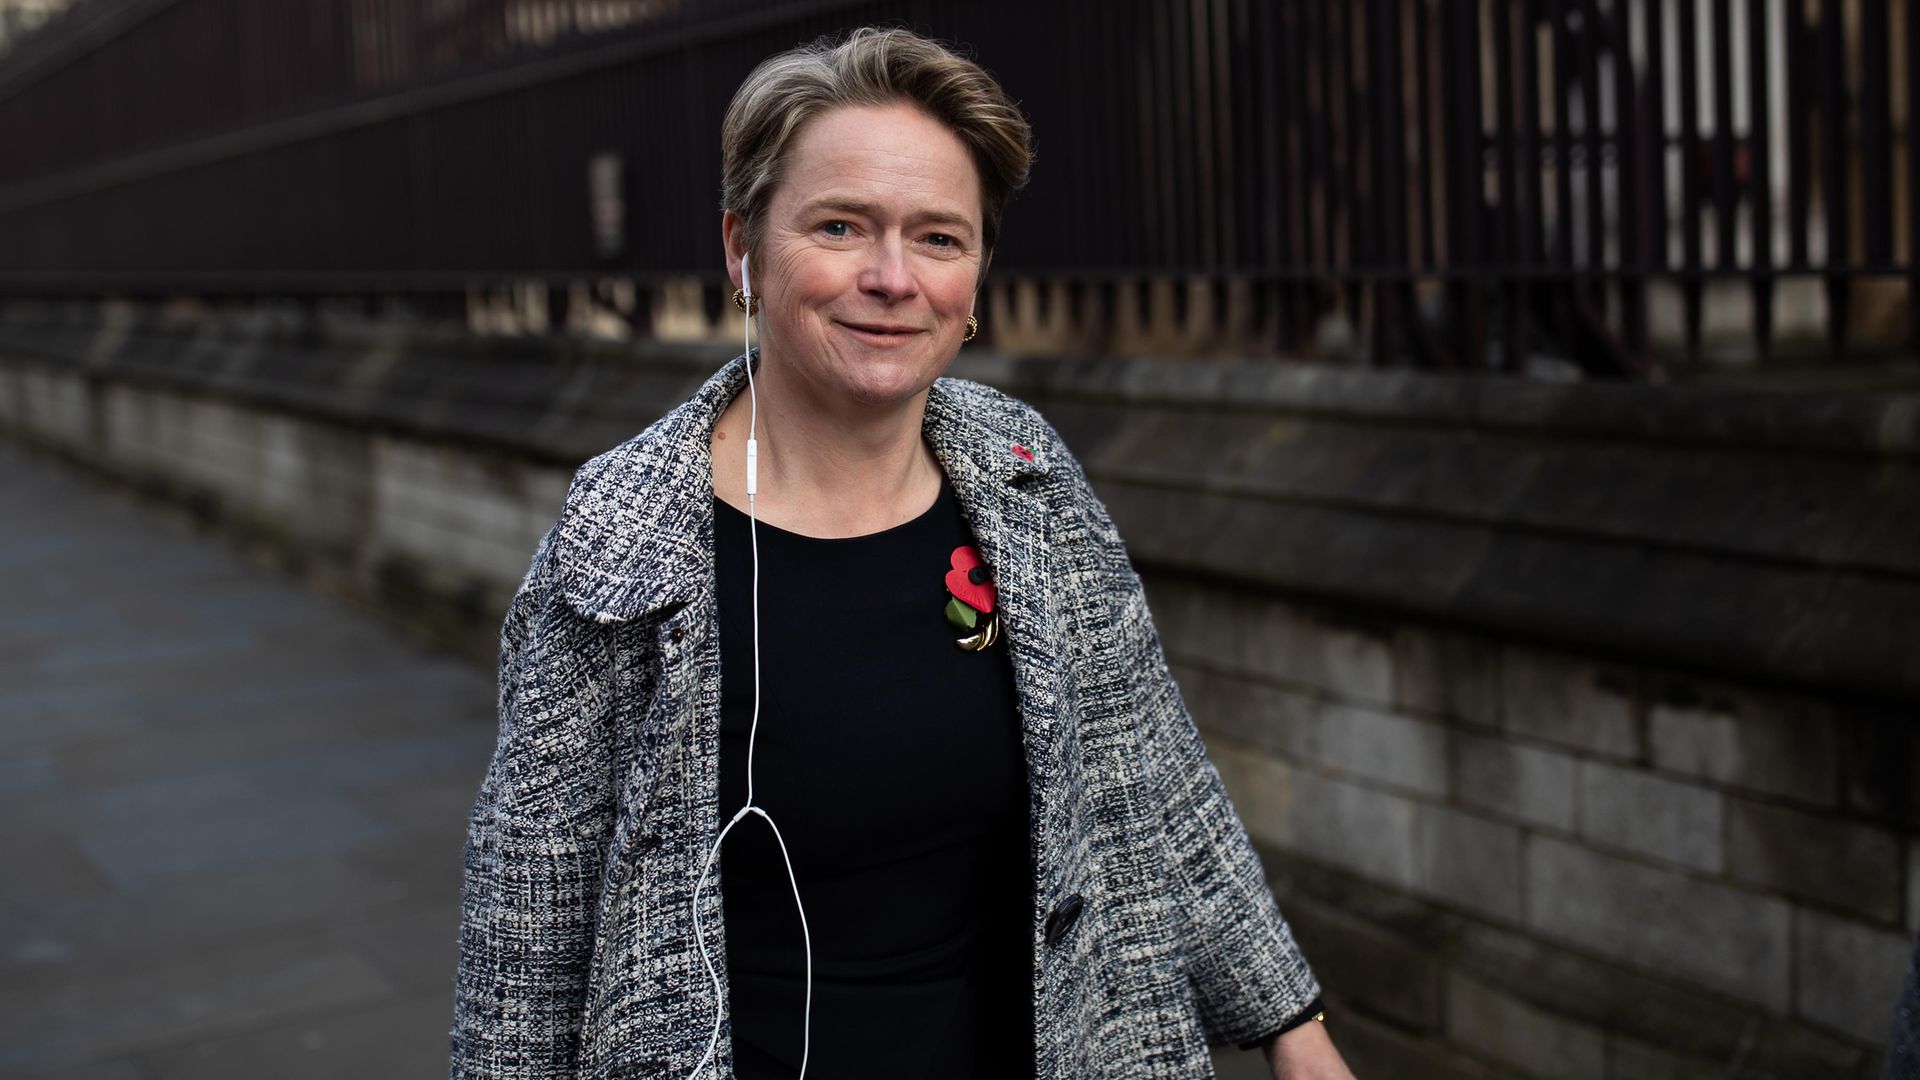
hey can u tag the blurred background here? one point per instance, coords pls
(1513, 407)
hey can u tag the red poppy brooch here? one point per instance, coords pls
(971, 608)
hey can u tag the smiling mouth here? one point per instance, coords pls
(882, 331)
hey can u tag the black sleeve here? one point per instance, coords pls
(1314, 1008)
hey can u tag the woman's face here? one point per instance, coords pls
(870, 257)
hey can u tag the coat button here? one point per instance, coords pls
(677, 633)
(1062, 917)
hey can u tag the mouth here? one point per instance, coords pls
(882, 333)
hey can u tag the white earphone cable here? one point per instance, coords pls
(753, 732)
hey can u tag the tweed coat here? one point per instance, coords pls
(1153, 931)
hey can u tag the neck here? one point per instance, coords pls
(828, 468)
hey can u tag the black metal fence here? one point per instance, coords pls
(1470, 182)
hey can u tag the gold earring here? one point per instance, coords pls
(973, 327)
(740, 301)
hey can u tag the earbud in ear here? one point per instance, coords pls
(746, 283)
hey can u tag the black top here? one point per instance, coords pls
(891, 761)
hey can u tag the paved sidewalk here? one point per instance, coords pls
(231, 811)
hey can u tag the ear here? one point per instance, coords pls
(733, 236)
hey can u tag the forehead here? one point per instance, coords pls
(893, 156)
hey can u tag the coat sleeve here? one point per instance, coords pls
(1248, 977)
(535, 845)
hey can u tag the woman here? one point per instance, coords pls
(885, 609)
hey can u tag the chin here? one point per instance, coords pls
(891, 381)
(883, 392)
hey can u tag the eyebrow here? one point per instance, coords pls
(867, 209)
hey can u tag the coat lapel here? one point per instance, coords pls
(1000, 493)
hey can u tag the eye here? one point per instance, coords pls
(837, 229)
(942, 240)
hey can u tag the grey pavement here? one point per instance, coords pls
(231, 810)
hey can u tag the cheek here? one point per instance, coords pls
(952, 291)
(799, 277)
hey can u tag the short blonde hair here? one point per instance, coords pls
(869, 67)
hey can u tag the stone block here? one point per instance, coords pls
(1470, 862)
(1913, 886)
(1657, 1010)
(1346, 662)
(1164, 597)
(1366, 964)
(1774, 743)
(1270, 718)
(1448, 674)
(402, 473)
(1630, 1059)
(1373, 1049)
(1261, 787)
(1296, 725)
(1827, 860)
(1198, 625)
(1419, 922)
(1568, 702)
(1362, 829)
(546, 493)
(1879, 763)
(57, 408)
(1267, 639)
(1725, 938)
(394, 531)
(1507, 1029)
(1504, 777)
(484, 557)
(441, 501)
(1791, 1049)
(1651, 815)
(1847, 975)
(221, 433)
(1380, 746)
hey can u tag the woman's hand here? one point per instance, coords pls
(1305, 1053)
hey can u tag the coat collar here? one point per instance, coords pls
(636, 535)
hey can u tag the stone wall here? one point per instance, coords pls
(1576, 723)
(403, 521)
(1506, 855)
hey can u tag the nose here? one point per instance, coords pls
(888, 276)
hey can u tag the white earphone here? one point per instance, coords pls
(753, 403)
(753, 532)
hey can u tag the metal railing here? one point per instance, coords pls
(1468, 183)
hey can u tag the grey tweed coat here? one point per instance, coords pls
(1153, 931)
